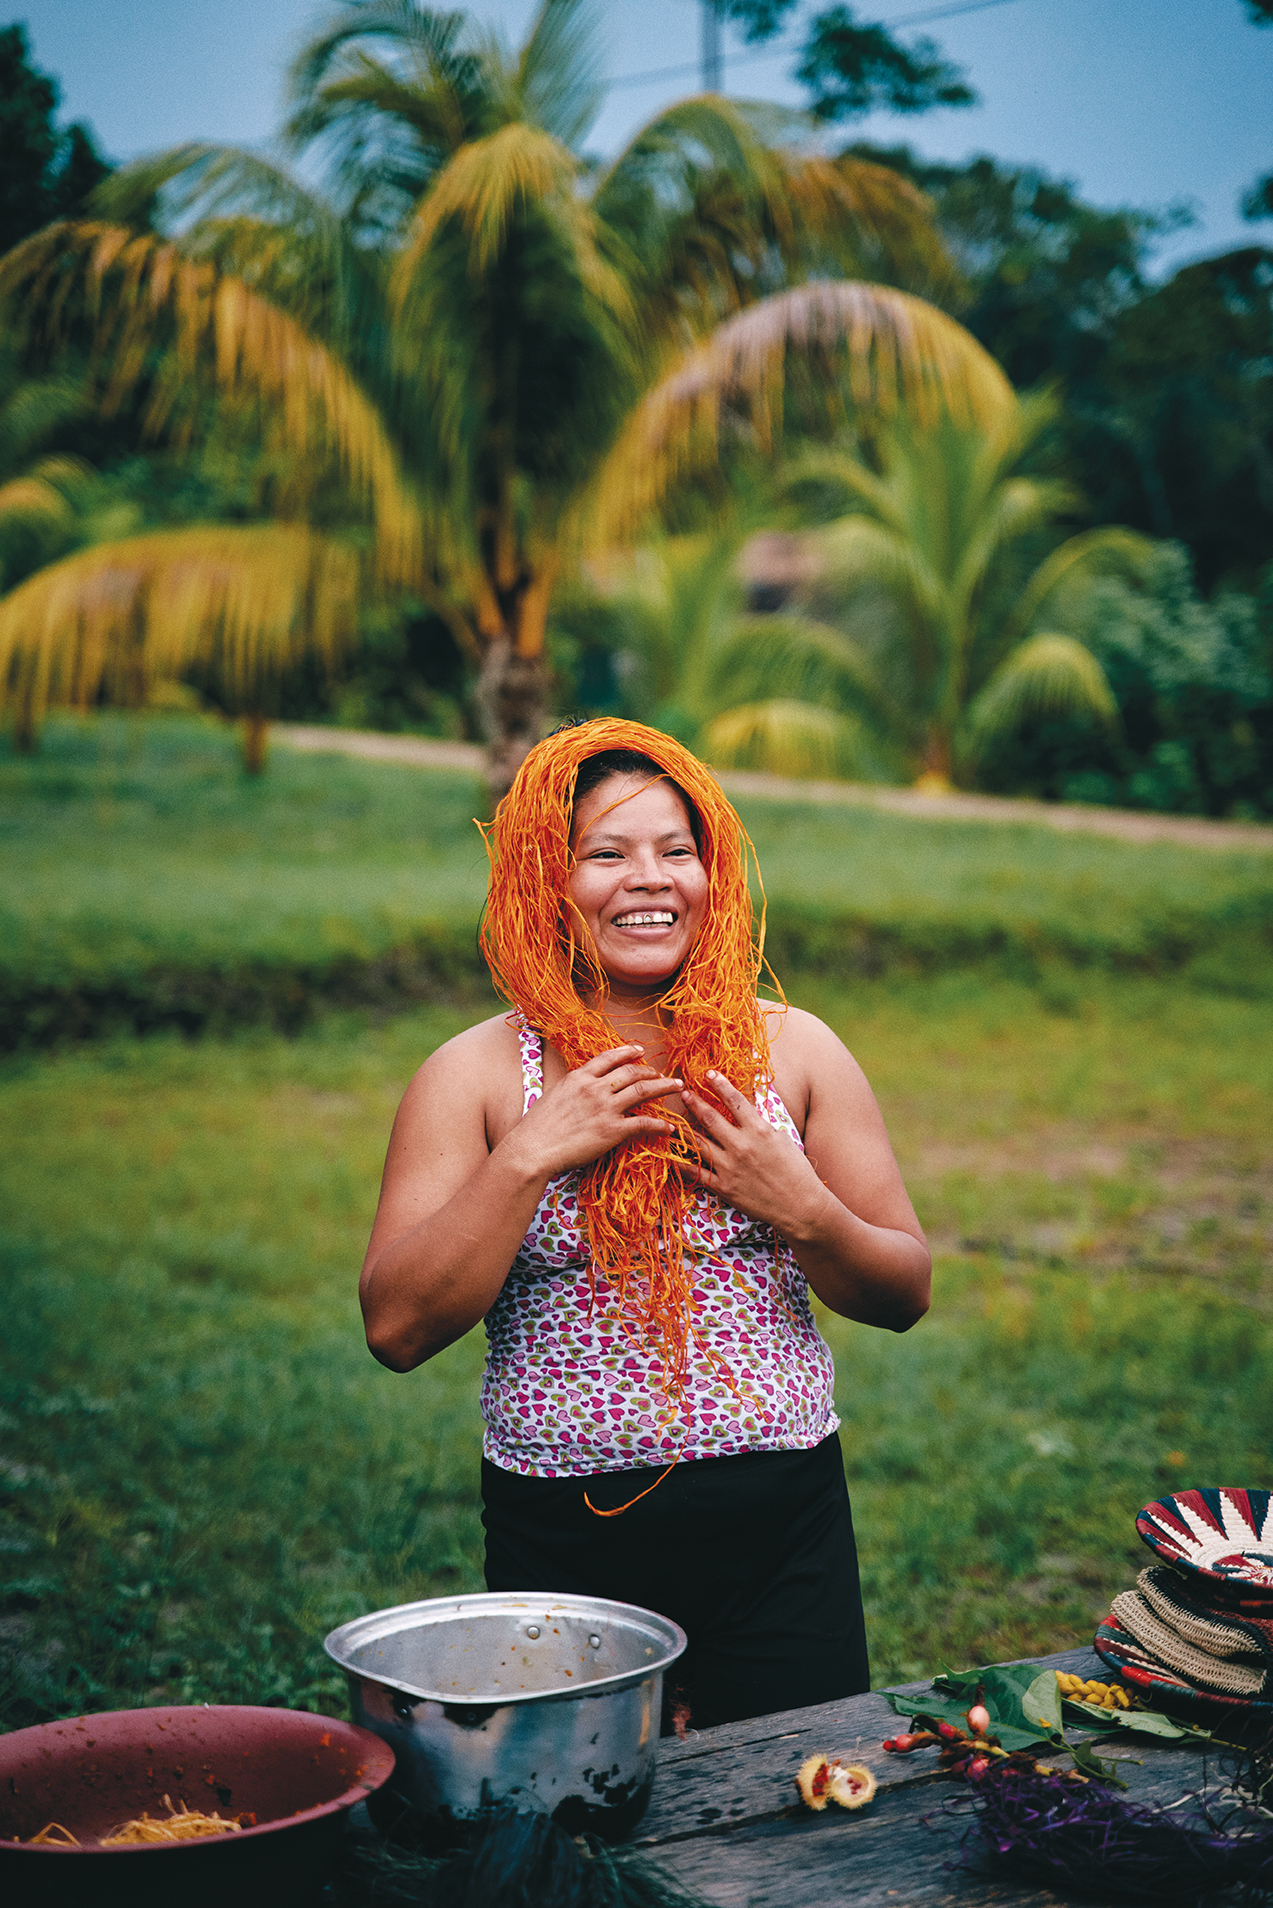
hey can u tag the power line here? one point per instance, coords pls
(771, 52)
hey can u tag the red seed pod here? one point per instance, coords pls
(949, 1731)
(977, 1767)
(979, 1718)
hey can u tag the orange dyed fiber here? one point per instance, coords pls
(633, 1200)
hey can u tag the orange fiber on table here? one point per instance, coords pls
(633, 1200)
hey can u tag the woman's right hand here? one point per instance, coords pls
(455, 1204)
(583, 1115)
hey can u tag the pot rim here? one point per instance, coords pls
(668, 1636)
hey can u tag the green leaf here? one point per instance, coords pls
(1008, 1691)
(1147, 1722)
(1042, 1701)
(1088, 1763)
(1015, 1722)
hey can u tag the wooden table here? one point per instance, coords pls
(725, 1820)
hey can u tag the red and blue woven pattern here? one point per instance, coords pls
(1118, 1649)
(1225, 1535)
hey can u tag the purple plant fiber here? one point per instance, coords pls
(1063, 1830)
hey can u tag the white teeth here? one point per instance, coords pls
(643, 920)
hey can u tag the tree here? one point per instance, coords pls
(1043, 276)
(1194, 687)
(850, 69)
(41, 483)
(44, 174)
(1257, 201)
(1185, 415)
(934, 516)
(508, 354)
(238, 604)
(1166, 424)
(781, 692)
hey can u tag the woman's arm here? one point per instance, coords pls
(454, 1208)
(841, 1206)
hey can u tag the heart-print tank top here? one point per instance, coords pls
(569, 1390)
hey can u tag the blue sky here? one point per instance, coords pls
(1140, 102)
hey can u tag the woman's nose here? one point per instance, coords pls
(647, 871)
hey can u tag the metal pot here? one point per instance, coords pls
(552, 1702)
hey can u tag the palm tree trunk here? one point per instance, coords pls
(938, 760)
(512, 701)
(256, 739)
(25, 731)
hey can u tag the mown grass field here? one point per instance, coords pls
(144, 880)
(203, 1470)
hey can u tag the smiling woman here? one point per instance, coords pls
(635, 1178)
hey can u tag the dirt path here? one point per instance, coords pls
(1073, 817)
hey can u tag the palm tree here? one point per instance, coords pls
(935, 513)
(783, 693)
(40, 487)
(505, 354)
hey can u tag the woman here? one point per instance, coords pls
(634, 1179)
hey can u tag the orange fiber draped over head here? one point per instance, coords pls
(633, 1199)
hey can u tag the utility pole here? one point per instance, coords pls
(713, 68)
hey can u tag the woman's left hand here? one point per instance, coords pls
(748, 1161)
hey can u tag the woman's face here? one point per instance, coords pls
(637, 881)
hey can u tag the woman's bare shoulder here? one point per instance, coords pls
(472, 1065)
(798, 1032)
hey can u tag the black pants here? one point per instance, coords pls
(753, 1556)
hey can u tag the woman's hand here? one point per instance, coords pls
(749, 1162)
(873, 1268)
(589, 1111)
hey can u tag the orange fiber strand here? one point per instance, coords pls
(634, 1199)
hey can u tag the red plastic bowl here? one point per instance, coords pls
(298, 1774)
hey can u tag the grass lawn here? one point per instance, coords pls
(131, 844)
(203, 1469)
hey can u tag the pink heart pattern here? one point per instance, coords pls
(569, 1386)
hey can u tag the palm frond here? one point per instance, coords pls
(214, 328)
(32, 409)
(857, 550)
(896, 348)
(783, 737)
(426, 34)
(33, 496)
(436, 63)
(559, 76)
(703, 133)
(827, 466)
(482, 188)
(813, 662)
(868, 217)
(252, 217)
(249, 600)
(1004, 440)
(1048, 674)
(1110, 547)
(1018, 505)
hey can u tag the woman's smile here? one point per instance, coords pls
(644, 920)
